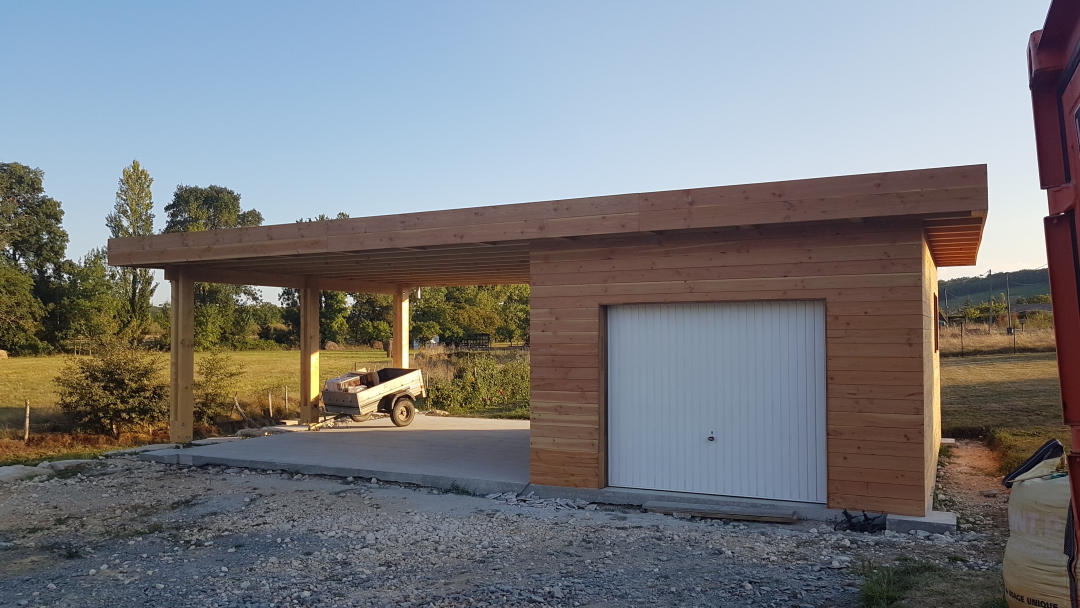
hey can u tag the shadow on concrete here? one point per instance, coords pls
(477, 456)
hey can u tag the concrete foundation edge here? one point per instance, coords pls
(937, 522)
(633, 497)
(462, 485)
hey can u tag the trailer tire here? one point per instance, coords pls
(403, 412)
(360, 418)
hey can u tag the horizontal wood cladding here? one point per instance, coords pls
(871, 277)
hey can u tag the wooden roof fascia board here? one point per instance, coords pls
(389, 273)
(476, 278)
(384, 256)
(501, 232)
(862, 206)
(493, 214)
(921, 193)
(387, 262)
(370, 270)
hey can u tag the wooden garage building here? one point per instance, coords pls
(773, 340)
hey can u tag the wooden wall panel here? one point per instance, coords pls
(873, 278)
(931, 374)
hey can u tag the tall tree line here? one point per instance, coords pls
(49, 303)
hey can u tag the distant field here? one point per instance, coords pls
(1011, 400)
(265, 371)
(977, 341)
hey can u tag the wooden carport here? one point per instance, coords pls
(574, 253)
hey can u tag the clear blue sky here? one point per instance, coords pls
(375, 108)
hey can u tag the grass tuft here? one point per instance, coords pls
(886, 585)
(909, 582)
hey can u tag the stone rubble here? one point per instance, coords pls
(530, 500)
(120, 531)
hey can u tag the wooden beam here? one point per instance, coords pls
(236, 277)
(182, 359)
(309, 351)
(400, 344)
(267, 279)
(930, 194)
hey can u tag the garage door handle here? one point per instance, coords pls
(711, 438)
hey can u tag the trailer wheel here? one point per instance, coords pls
(403, 412)
(360, 418)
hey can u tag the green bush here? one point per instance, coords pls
(119, 389)
(218, 376)
(480, 383)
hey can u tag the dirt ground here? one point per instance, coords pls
(119, 532)
(969, 485)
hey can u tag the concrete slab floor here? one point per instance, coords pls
(476, 455)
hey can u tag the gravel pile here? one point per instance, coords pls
(121, 532)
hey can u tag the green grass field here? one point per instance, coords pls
(264, 372)
(1013, 401)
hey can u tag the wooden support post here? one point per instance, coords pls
(309, 352)
(182, 363)
(400, 344)
(26, 427)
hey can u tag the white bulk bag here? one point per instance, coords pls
(1040, 553)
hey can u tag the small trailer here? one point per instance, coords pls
(361, 393)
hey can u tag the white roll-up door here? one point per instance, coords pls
(751, 375)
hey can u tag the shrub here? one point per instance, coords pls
(218, 375)
(481, 383)
(119, 389)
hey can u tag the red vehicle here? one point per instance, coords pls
(1053, 56)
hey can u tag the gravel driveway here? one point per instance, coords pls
(121, 532)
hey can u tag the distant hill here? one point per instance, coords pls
(1022, 283)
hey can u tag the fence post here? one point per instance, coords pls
(236, 404)
(26, 426)
(270, 402)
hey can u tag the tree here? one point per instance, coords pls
(371, 318)
(118, 389)
(133, 215)
(31, 234)
(20, 311)
(32, 242)
(85, 302)
(333, 317)
(514, 313)
(222, 317)
(218, 377)
(194, 208)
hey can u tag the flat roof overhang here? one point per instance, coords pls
(490, 245)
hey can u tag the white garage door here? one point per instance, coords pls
(749, 375)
